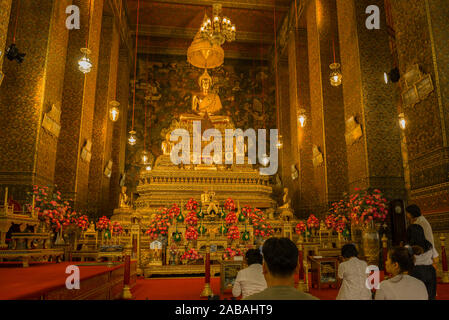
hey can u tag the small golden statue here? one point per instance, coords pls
(124, 199)
(206, 101)
(285, 211)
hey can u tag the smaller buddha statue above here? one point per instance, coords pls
(285, 211)
(124, 199)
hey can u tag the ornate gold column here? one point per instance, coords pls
(102, 125)
(300, 102)
(374, 157)
(421, 39)
(5, 9)
(30, 96)
(326, 104)
(119, 130)
(75, 150)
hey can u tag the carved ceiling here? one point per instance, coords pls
(168, 26)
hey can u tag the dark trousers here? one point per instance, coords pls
(428, 275)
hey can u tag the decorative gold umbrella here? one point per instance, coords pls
(203, 54)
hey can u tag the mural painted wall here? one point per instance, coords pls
(166, 85)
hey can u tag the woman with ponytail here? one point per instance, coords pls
(401, 286)
(424, 255)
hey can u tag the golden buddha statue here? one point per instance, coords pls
(205, 102)
(124, 199)
(286, 212)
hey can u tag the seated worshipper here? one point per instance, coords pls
(415, 217)
(422, 249)
(250, 280)
(353, 273)
(401, 286)
(280, 264)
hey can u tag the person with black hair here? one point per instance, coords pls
(415, 217)
(422, 249)
(353, 273)
(280, 263)
(250, 280)
(401, 286)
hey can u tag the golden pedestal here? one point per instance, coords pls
(126, 294)
(207, 291)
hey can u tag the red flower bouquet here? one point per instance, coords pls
(174, 211)
(330, 221)
(191, 233)
(229, 204)
(233, 233)
(104, 224)
(231, 218)
(365, 207)
(300, 227)
(82, 222)
(191, 255)
(231, 253)
(313, 222)
(159, 224)
(191, 205)
(192, 219)
(261, 226)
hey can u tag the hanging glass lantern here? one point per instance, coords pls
(114, 111)
(335, 77)
(145, 158)
(402, 121)
(132, 139)
(280, 142)
(84, 64)
(148, 168)
(264, 161)
(302, 117)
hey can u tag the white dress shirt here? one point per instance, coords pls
(353, 287)
(427, 232)
(249, 281)
(402, 287)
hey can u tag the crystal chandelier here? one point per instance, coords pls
(132, 139)
(84, 64)
(219, 29)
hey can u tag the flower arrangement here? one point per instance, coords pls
(191, 255)
(104, 224)
(301, 227)
(246, 211)
(117, 228)
(191, 233)
(330, 221)
(233, 233)
(231, 218)
(82, 222)
(313, 222)
(365, 207)
(191, 204)
(261, 226)
(159, 224)
(231, 253)
(229, 204)
(192, 219)
(341, 224)
(174, 211)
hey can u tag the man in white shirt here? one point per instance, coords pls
(414, 216)
(250, 280)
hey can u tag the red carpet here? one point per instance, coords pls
(190, 289)
(24, 283)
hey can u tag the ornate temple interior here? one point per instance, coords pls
(151, 144)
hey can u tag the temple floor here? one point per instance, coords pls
(190, 289)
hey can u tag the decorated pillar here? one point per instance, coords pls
(372, 128)
(326, 104)
(207, 291)
(300, 119)
(5, 9)
(119, 129)
(100, 170)
(74, 153)
(421, 38)
(31, 92)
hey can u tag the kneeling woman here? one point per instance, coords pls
(401, 286)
